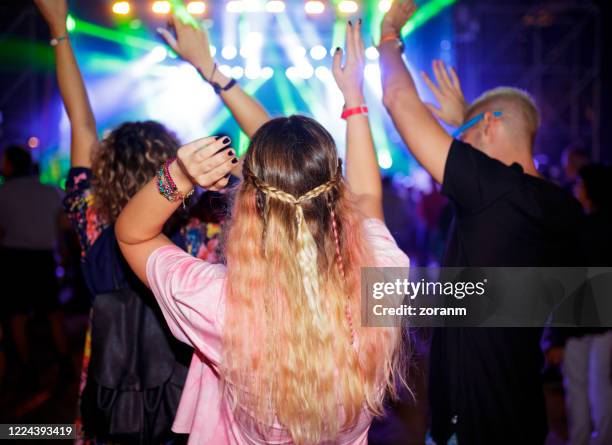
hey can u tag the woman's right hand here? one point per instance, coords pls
(206, 162)
(191, 43)
(349, 77)
(55, 13)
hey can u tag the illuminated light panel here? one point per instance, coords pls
(314, 7)
(318, 52)
(384, 5)
(371, 53)
(121, 8)
(275, 6)
(161, 7)
(196, 8)
(229, 52)
(348, 6)
(235, 6)
(33, 142)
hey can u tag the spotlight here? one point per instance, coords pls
(159, 54)
(323, 73)
(384, 5)
(305, 71)
(371, 53)
(292, 73)
(161, 7)
(314, 7)
(235, 6)
(33, 142)
(267, 72)
(299, 51)
(318, 52)
(384, 159)
(252, 72)
(237, 72)
(348, 6)
(196, 8)
(275, 6)
(229, 52)
(121, 8)
(226, 70)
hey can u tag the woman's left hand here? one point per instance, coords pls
(349, 77)
(207, 162)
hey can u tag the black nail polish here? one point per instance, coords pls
(230, 153)
(350, 24)
(360, 21)
(234, 161)
(337, 48)
(226, 140)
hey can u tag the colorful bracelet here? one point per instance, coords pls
(362, 109)
(166, 186)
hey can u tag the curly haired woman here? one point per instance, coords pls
(283, 358)
(104, 175)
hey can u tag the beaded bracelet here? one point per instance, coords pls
(166, 186)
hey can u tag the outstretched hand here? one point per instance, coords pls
(448, 94)
(191, 43)
(349, 77)
(55, 13)
(396, 17)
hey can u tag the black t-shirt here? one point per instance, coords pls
(484, 383)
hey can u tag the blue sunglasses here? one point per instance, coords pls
(473, 121)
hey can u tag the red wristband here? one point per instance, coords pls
(362, 109)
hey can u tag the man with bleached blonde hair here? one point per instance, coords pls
(484, 383)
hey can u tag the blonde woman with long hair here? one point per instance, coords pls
(281, 356)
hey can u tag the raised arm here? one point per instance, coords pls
(71, 86)
(191, 43)
(426, 139)
(205, 162)
(362, 171)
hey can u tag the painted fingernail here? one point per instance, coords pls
(230, 153)
(360, 21)
(350, 24)
(337, 48)
(234, 161)
(226, 140)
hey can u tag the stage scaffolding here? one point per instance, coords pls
(552, 50)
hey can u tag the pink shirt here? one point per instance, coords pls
(191, 294)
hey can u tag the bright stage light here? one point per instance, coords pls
(70, 23)
(252, 72)
(299, 51)
(213, 50)
(318, 52)
(226, 70)
(121, 8)
(229, 52)
(292, 73)
(159, 54)
(196, 8)
(275, 6)
(267, 72)
(348, 6)
(305, 71)
(237, 72)
(161, 7)
(323, 73)
(384, 159)
(33, 142)
(235, 6)
(384, 5)
(314, 7)
(371, 53)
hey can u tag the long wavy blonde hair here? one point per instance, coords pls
(294, 350)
